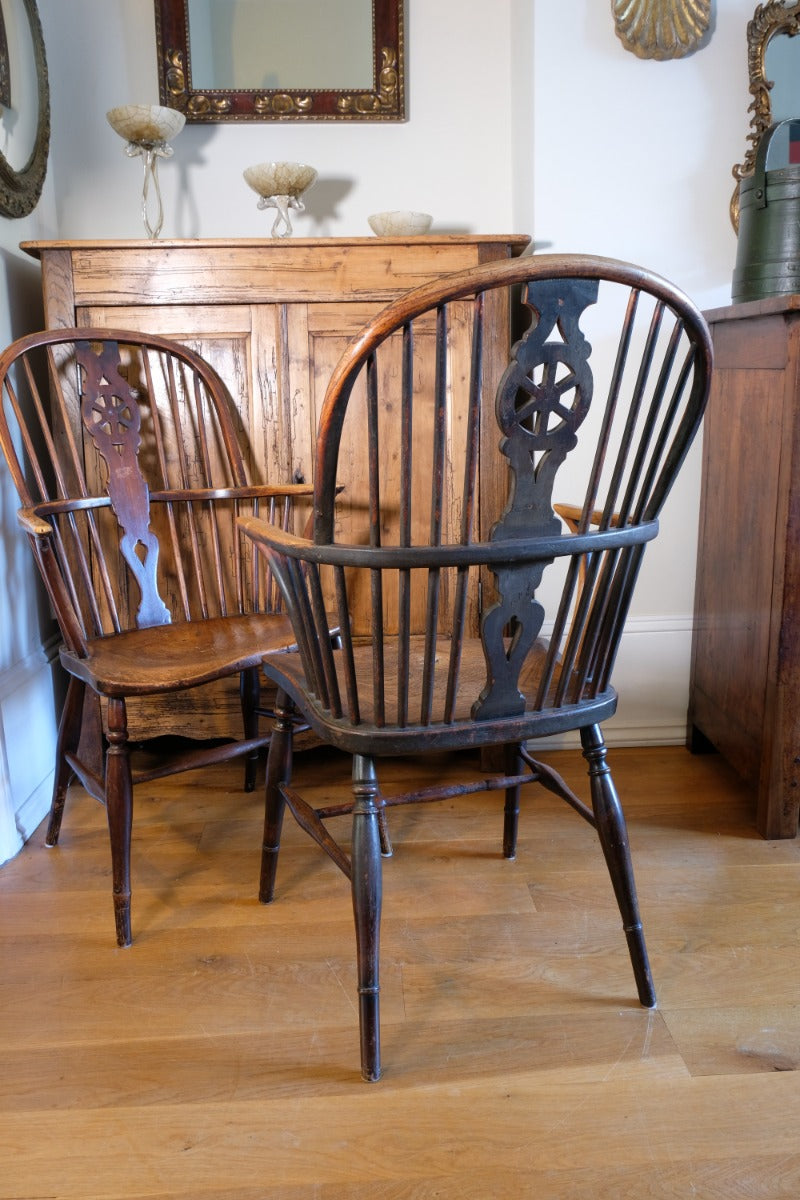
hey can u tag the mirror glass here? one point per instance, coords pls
(19, 121)
(280, 44)
(260, 60)
(782, 69)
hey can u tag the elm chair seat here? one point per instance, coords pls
(472, 615)
(146, 662)
(406, 737)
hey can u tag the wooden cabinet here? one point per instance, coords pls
(272, 315)
(745, 679)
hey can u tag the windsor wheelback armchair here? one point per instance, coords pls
(125, 455)
(464, 627)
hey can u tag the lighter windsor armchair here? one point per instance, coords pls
(125, 454)
(468, 640)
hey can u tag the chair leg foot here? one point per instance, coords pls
(250, 772)
(279, 771)
(249, 694)
(269, 870)
(119, 811)
(69, 729)
(641, 967)
(122, 918)
(60, 785)
(511, 766)
(613, 834)
(367, 888)
(369, 1020)
(386, 841)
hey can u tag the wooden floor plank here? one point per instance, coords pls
(527, 1124)
(735, 1041)
(217, 1058)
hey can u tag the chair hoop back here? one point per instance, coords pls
(126, 455)
(456, 545)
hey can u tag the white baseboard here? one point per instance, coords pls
(36, 807)
(651, 676)
(28, 729)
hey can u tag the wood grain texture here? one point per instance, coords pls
(222, 271)
(215, 1059)
(273, 318)
(744, 692)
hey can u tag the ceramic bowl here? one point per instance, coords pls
(400, 223)
(279, 178)
(145, 124)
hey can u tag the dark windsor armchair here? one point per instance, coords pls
(125, 455)
(466, 622)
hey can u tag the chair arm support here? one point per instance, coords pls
(33, 524)
(272, 537)
(572, 513)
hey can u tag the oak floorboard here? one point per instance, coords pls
(736, 1041)
(526, 1124)
(217, 1058)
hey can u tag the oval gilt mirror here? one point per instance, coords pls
(24, 110)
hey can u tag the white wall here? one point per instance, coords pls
(27, 645)
(452, 157)
(524, 116)
(632, 158)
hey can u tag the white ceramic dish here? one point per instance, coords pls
(400, 223)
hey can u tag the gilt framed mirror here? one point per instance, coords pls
(282, 60)
(773, 61)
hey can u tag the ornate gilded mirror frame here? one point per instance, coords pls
(769, 20)
(20, 189)
(385, 101)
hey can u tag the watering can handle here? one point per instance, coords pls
(760, 169)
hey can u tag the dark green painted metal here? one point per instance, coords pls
(768, 253)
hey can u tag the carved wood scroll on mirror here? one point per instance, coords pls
(771, 73)
(266, 60)
(661, 29)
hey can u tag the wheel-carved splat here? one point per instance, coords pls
(111, 416)
(542, 400)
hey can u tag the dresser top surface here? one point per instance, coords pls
(36, 248)
(768, 307)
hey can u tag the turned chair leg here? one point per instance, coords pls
(613, 834)
(249, 696)
(119, 810)
(69, 732)
(383, 829)
(511, 766)
(279, 770)
(367, 895)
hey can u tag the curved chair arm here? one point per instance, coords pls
(511, 550)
